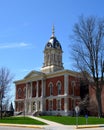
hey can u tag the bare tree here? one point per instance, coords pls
(5, 80)
(88, 51)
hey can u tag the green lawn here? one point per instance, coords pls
(66, 120)
(63, 120)
(21, 120)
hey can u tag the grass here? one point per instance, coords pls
(66, 120)
(21, 120)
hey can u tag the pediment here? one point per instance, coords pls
(33, 74)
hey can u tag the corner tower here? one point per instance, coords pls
(52, 55)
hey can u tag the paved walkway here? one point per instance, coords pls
(57, 126)
(53, 125)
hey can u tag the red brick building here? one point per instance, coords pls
(51, 91)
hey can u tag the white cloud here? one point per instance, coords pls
(13, 45)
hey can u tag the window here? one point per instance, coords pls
(59, 87)
(34, 91)
(34, 105)
(50, 105)
(51, 88)
(58, 104)
(73, 84)
(19, 92)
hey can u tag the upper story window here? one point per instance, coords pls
(73, 84)
(51, 88)
(59, 87)
(19, 92)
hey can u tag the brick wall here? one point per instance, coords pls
(54, 81)
(20, 87)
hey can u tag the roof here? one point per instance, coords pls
(53, 42)
(31, 76)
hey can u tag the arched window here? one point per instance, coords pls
(51, 88)
(58, 87)
(19, 92)
(73, 84)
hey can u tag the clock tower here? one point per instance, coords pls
(52, 55)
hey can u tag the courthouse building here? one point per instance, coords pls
(51, 91)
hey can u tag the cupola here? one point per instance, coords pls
(52, 55)
(53, 42)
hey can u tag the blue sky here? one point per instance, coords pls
(26, 26)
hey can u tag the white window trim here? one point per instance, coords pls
(50, 88)
(58, 104)
(73, 84)
(59, 90)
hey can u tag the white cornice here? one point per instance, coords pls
(37, 75)
(62, 72)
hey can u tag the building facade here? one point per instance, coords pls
(51, 91)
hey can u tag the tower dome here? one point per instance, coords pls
(52, 55)
(53, 42)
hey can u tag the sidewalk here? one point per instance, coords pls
(53, 125)
(57, 126)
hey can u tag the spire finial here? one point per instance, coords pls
(53, 31)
